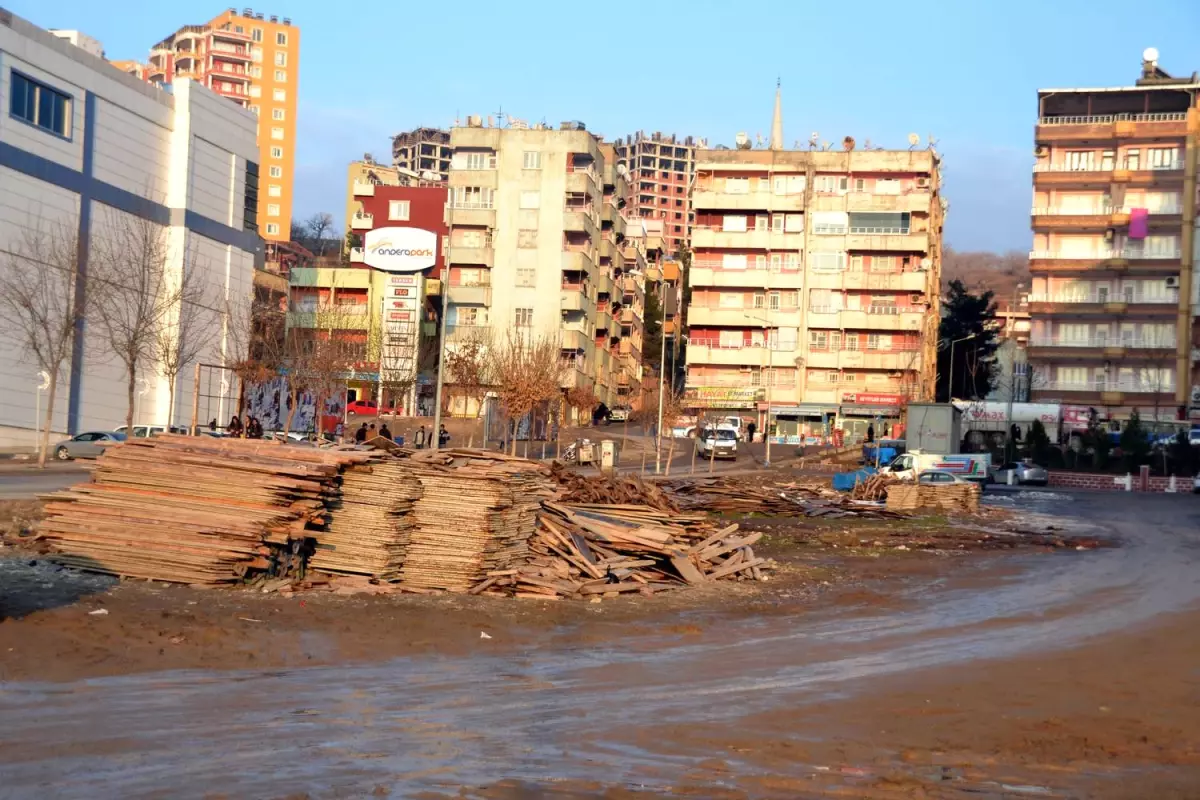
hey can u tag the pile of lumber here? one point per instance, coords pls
(370, 521)
(874, 488)
(778, 498)
(609, 490)
(194, 509)
(475, 515)
(587, 550)
(960, 497)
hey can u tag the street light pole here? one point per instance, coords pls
(952, 343)
(1012, 377)
(662, 364)
(436, 433)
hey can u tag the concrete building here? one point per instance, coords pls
(424, 152)
(814, 283)
(82, 41)
(1114, 258)
(661, 168)
(254, 61)
(537, 244)
(85, 147)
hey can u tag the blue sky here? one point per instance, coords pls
(965, 71)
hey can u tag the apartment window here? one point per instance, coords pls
(524, 318)
(777, 223)
(773, 301)
(237, 29)
(277, 134)
(851, 341)
(526, 277)
(873, 341)
(255, 91)
(828, 262)
(276, 152)
(250, 198)
(856, 263)
(832, 183)
(278, 114)
(256, 53)
(1107, 160)
(274, 190)
(1133, 159)
(256, 35)
(760, 222)
(398, 209)
(280, 58)
(272, 209)
(532, 159)
(527, 238)
(38, 104)
(272, 228)
(1081, 160)
(531, 200)
(475, 160)
(255, 71)
(737, 186)
(818, 340)
(280, 76)
(281, 39)
(275, 172)
(280, 95)
(776, 262)
(735, 223)
(887, 186)
(472, 197)
(860, 184)
(830, 222)
(1164, 158)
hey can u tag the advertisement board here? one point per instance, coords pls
(400, 249)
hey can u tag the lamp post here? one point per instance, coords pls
(1009, 451)
(765, 371)
(952, 343)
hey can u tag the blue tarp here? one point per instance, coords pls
(845, 481)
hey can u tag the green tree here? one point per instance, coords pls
(1038, 442)
(1135, 445)
(1097, 440)
(969, 322)
(652, 340)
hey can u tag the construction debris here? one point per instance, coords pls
(731, 495)
(609, 490)
(960, 497)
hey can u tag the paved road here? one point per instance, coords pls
(23, 484)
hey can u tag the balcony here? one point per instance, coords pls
(582, 180)
(705, 236)
(581, 220)
(231, 52)
(229, 72)
(727, 317)
(1105, 392)
(864, 359)
(578, 261)
(716, 275)
(1069, 303)
(1106, 347)
(913, 282)
(576, 299)
(335, 317)
(474, 293)
(460, 334)
(1046, 175)
(364, 189)
(875, 318)
(482, 256)
(471, 213)
(573, 376)
(715, 198)
(700, 351)
(915, 202)
(357, 255)
(890, 239)
(574, 338)
(482, 178)
(1110, 126)
(362, 222)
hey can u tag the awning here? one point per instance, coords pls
(803, 410)
(887, 412)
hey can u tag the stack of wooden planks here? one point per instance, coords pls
(475, 515)
(370, 521)
(961, 497)
(775, 498)
(194, 509)
(874, 488)
(588, 550)
(609, 490)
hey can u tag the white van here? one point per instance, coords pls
(972, 467)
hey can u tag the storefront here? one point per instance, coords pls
(804, 423)
(986, 422)
(712, 402)
(861, 410)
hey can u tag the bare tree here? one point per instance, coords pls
(469, 373)
(184, 331)
(317, 230)
(39, 308)
(527, 371)
(316, 360)
(133, 292)
(395, 355)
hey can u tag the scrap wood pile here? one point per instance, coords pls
(731, 495)
(596, 549)
(874, 488)
(609, 490)
(963, 497)
(194, 509)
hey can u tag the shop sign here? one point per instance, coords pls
(871, 399)
(400, 249)
(722, 397)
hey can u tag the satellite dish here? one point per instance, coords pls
(1150, 54)
(742, 140)
(913, 140)
(622, 170)
(814, 137)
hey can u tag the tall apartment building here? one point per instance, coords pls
(85, 148)
(536, 245)
(1114, 259)
(253, 60)
(814, 284)
(423, 151)
(661, 168)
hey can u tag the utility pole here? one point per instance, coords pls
(436, 434)
(662, 371)
(1009, 451)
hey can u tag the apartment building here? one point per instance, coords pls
(84, 148)
(424, 152)
(358, 174)
(537, 245)
(1113, 304)
(814, 284)
(253, 60)
(661, 168)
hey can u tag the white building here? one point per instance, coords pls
(81, 40)
(97, 144)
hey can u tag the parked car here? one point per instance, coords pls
(142, 431)
(720, 442)
(618, 414)
(1024, 472)
(365, 408)
(938, 476)
(86, 445)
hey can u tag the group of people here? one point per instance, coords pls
(253, 429)
(366, 432)
(421, 439)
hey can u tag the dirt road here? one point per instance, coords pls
(1060, 675)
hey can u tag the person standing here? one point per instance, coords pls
(360, 435)
(419, 438)
(870, 432)
(385, 432)
(443, 436)
(750, 429)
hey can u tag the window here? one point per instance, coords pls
(254, 110)
(280, 76)
(255, 72)
(860, 184)
(277, 134)
(734, 222)
(272, 209)
(832, 183)
(818, 340)
(777, 223)
(275, 172)
(524, 318)
(274, 190)
(760, 222)
(280, 58)
(856, 263)
(873, 341)
(478, 160)
(472, 197)
(1164, 158)
(250, 199)
(733, 261)
(398, 209)
(887, 186)
(255, 91)
(830, 222)
(526, 277)
(256, 53)
(256, 35)
(279, 95)
(795, 223)
(532, 159)
(278, 114)
(40, 105)
(737, 186)
(1081, 160)
(527, 238)
(1107, 160)
(531, 199)
(851, 341)
(276, 152)
(828, 262)
(272, 228)
(773, 301)
(281, 39)
(1133, 159)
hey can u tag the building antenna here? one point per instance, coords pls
(500, 117)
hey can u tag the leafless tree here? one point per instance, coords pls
(185, 331)
(396, 361)
(469, 373)
(527, 370)
(316, 360)
(133, 291)
(39, 308)
(317, 230)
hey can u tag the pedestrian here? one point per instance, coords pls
(750, 429)
(212, 424)
(371, 433)
(385, 432)
(235, 426)
(870, 433)
(419, 438)
(360, 435)
(443, 436)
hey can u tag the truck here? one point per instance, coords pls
(972, 466)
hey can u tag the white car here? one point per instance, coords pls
(1196, 485)
(720, 442)
(940, 478)
(618, 414)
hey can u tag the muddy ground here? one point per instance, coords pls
(882, 660)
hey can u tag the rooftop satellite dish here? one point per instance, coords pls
(622, 170)
(913, 140)
(742, 140)
(1150, 54)
(429, 175)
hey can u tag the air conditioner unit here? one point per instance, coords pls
(922, 183)
(1173, 282)
(1109, 235)
(1041, 151)
(916, 298)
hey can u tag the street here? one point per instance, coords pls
(26, 483)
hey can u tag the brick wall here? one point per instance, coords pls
(1113, 483)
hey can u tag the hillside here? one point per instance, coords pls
(980, 271)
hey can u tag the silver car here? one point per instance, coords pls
(940, 477)
(1024, 472)
(86, 445)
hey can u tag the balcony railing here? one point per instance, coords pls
(888, 231)
(1166, 255)
(1091, 166)
(1101, 119)
(1105, 386)
(1141, 343)
(1097, 210)
(1075, 297)
(473, 204)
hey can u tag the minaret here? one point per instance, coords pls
(777, 121)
